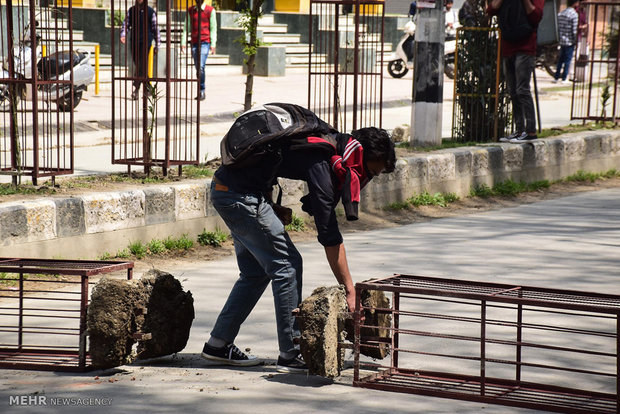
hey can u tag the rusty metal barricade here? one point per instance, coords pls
(155, 113)
(36, 105)
(596, 92)
(539, 348)
(43, 304)
(345, 82)
(480, 109)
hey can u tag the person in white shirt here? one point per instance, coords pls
(452, 19)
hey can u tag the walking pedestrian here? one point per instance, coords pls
(202, 26)
(140, 25)
(568, 25)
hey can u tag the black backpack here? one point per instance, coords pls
(267, 129)
(512, 21)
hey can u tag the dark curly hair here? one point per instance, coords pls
(378, 146)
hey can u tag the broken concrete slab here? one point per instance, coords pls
(322, 327)
(119, 309)
(323, 324)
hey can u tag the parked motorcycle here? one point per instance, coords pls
(402, 59)
(56, 66)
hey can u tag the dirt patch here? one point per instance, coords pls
(155, 304)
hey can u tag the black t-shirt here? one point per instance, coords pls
(310, 166)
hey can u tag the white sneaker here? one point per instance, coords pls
(566, 82)
(523, 137)
(510, 137)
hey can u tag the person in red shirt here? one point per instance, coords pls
(518, 21)
(201, 24)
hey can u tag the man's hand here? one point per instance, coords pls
(351, 300)
(123, 39)
(213, 49)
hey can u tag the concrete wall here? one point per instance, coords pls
(92, 224)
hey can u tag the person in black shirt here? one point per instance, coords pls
(265, 252)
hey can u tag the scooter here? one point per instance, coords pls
(402, 59)
(56, 66)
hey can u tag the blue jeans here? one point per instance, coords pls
(518, 70)
(566, 55)
(265, 253)
(199, 61)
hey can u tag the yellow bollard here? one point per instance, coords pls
(150, 64)
(97, 69)
(43, 50)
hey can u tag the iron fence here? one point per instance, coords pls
(43, 304)
(345, 82)
(523, 346)
(480, 109)
(155, 110)
(596, 90)
(37, 92)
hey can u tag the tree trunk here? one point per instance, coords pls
(251, 53)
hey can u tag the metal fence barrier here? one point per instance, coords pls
(155, 111)
(346, 62)
(37, 95)
(480, 109)
(43, 305)
(538, 348)
(596, 92)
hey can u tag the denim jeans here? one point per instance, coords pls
(566, 55)
(518, 70)
(199, 61)
(265, 253)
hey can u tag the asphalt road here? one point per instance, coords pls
(567, 243)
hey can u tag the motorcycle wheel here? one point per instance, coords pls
(64, 103)
(5, 103)
(551, 59)
(397, 68)
(448, 69)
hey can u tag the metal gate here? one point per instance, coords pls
(36, 99)
(596, 90)
(345, 82)
(155, 113)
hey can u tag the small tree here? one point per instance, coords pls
(250, 41)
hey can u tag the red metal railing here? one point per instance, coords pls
(346, 62)
(44, 317)
(596, 92)
(521, 346)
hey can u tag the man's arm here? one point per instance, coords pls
(528, 6)
(337, 259)
(155, 28)
(496, 4)
(213, 30)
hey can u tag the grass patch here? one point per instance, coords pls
(181, 243)
(425, 199)
(212, 238)
(583, 176)
(6, 279)
(97, 181)
(156, 246)
(297, 224)
(138, 249)
(508, 188)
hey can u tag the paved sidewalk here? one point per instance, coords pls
(224, 99)
(569, 243)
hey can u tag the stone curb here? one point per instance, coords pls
(453, 170)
